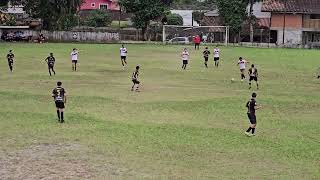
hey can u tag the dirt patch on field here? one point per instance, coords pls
(45, 161)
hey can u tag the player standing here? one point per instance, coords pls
(185, 58)
(10, 58)
(123, 56)
(51, 61)
(216, 56)
(135, 76)
(242, 64)
(206, 54)
(60, 99)
(74, 59)
(252, 107)
(253, 73)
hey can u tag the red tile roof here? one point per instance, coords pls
(293, 6)
(264, 22)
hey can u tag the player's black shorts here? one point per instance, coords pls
(252, 118)
(253, 78)
(60, 104)
(185, 61)
(135, 81)
(75, 61)
(123, 57)
(50, 66)
(216, 59)
(206, 58)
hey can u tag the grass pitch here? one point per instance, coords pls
(182, 125)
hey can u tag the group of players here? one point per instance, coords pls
(59, 93)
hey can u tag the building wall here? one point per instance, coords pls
(87, 5)
(292, 36)
(292, 20)
(187, 17)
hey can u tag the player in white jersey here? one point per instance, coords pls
(123, 55)
(242, 64)
(74, 59)
(216, 54)
(185, 58)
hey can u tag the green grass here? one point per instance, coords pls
(183, 125)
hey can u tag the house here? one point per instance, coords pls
(99, 4)
(294, 22)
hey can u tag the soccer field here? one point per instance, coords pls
(182, 125)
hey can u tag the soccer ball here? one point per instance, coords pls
(233, 80)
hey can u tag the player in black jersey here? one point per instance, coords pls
(135, 80)
(60, 99)
(10, 58)
(252, 107)
(51, 61)
(206, 54)
(253, 73)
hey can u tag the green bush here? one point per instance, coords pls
(98, 18)
(174, 19)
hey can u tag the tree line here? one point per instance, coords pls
(63, 14)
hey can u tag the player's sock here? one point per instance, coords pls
(206, 65)
(318, 77)
(62, 118)
(58, 113)
(50, 73)
(75, 68)
(253, 129)
(249, 129)
(54, 72)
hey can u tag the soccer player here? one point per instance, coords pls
(60, 99)
(216, 56)
(10, 58)
(242, 64)
(50, 61)
(185, 58)
(74, 59)
(206, 54)
(135, 76)
(123, 56)
(253, 73)
(252, 107)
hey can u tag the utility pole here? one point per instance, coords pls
(284, 21)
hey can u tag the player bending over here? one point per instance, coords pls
(135, 76)
(252, 107)
(242, 64)
(185, 58)
(206, 54)
(51, 61)
(60, 99)
(74, 59)
(253, 73)
(123, 56)
(10, 58)
(216, 56)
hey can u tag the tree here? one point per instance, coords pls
(198, 16)
(144, 11)
(251, 17)
(174, 19)
(233, 13)
(98, 18)
(55, 14)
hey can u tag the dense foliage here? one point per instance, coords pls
(174, 19)
(98, 18)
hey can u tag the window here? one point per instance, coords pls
(104, 6)
(93, 4)
(315, 16)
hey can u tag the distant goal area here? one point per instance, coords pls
(186, 34)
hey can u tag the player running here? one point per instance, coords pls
(206, 54)
(74, 59)
(253, 73)
(51, 61)
(252, 107)
(123, 56)
(242, 64)
(10, 58)
(135, 76)
(185, 58)
(216, 56)
(60, 99)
